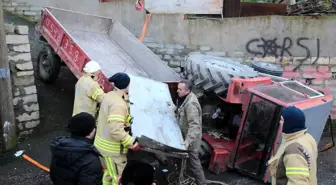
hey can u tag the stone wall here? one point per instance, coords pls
(23, 9)
(25, 101)
(174, 54)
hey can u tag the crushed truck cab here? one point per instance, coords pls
(242, 109)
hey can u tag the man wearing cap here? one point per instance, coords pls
(113, 139)
(88, 92)
(295, 161)
(75, 161)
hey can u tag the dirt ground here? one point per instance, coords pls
(55, 109)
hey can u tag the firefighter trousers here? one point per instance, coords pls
(195, 168)
(114, 166)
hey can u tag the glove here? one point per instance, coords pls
(119, 180)
(136, 147)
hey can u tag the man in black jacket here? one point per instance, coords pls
(75, 161)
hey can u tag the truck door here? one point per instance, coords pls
(256, 136)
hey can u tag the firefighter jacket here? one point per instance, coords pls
(112, 139)
(295, 161)
(87, 96)
(189, 115)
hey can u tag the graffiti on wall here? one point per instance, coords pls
(280, 48)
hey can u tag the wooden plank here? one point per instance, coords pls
(184, 6)
(257, 9)
(231, 8)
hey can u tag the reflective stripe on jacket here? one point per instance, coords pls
(111, 137)
(87, 96)
(295, 161)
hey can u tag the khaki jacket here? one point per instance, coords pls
(295, 161)
(189, 115)
(87, 96)
(111, 138)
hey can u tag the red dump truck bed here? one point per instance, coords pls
(78, 38)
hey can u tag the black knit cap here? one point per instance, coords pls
(137, 173)
(81, 124)
(294, 120)
(120, 80)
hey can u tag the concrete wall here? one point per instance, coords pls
(25, 101)
(295, 36)
(307, 42)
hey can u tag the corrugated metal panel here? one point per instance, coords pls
(153, 118)
(184, 6)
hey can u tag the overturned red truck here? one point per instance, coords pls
(242, 110)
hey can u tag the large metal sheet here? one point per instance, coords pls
(153, 117)
(184, 6)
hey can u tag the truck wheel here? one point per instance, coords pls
(48, 65)
(214, 73)
(204, 153)
(267, 68)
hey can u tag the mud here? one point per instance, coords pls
(55, 109)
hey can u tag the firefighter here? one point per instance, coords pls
(189, 114)
(113, 139)
(88, 92)
(295, 161)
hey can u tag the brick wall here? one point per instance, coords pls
(23, 9)
(25, 101)
(320, 76)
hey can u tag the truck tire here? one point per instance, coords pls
(212, 73)
(204, 153)
(48, 65)
(267, 68)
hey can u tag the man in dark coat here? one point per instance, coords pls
(189, 115)
(75, 161)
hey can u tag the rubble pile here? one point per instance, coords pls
(309, 7)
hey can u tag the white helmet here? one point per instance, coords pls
(91, 67)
